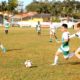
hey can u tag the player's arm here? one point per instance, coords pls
(55, 36)
(76, 35)
(73, 35)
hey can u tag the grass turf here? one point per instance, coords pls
(24, 44)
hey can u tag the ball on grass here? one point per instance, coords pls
(28, 63)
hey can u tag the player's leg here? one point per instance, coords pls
(71, 54)
(3, 48)
(68, 55)
(77, 53)
(57, 57)
(6, 31)
(54, 34)
(39, 32)
(50, 36)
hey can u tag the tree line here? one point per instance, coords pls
(53, 7)
(70, 7)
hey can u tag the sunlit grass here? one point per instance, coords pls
(24, 44)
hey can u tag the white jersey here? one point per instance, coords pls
(65, 45)
(38, 27)
(6, 23)
(65, 35)
(52, 26)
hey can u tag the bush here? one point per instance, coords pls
(55, 19)
(76, 16)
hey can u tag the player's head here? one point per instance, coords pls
(64, 27)
(67, 17)
(6, 17)
(77, 26)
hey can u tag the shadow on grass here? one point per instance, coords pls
(34, 67)
(72, 63)
(13, 50)
(75, 63)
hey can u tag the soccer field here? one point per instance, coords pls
(24, 44)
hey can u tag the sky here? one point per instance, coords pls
(26, 2)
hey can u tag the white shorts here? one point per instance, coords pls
(65, 56)
(52, 31)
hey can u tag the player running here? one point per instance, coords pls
(64, 48)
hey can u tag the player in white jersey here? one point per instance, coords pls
(64, 48)
(38, 28)
(77, 28)
(6, 25)
(53, 27)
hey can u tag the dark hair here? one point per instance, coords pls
(64, 25)
(6, 18)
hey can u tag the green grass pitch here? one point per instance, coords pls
(24, 44)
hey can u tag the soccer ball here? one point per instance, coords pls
(28, 63)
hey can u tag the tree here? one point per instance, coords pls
(12, 4)
(3, 6)
(55, 8)
(38, 7)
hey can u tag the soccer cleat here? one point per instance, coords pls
(4, 50)
(58, 41)
(50, 40)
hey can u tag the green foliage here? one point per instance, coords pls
(77, 15)
(38, 7)
(55, 19)
(8, 6)
(12, 4)
(3, 6)
(56, 8)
